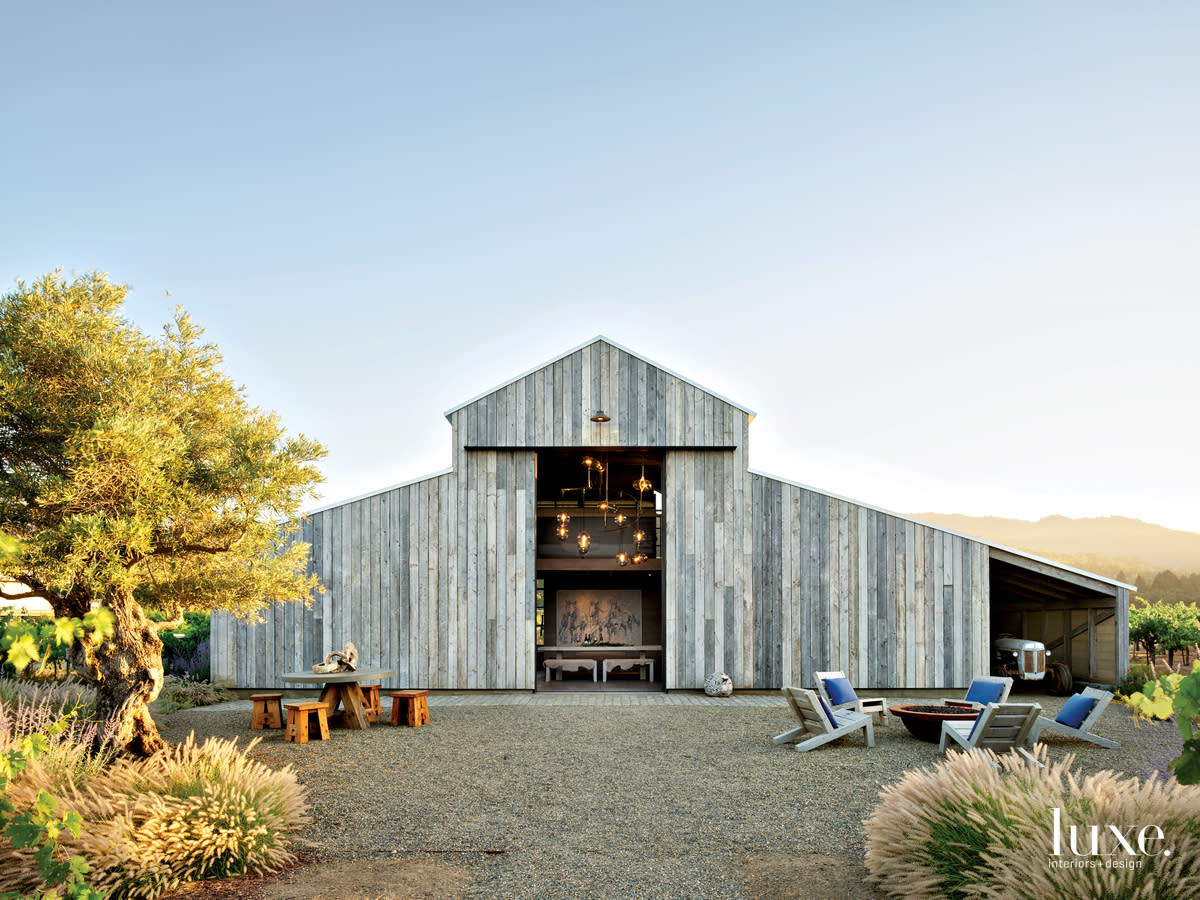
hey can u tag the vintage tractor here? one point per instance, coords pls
(1024, 660)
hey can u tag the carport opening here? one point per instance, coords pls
(1075, 616)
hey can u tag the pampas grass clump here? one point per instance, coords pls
(189, 813)
(970, 828)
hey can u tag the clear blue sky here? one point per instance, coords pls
(949, 253)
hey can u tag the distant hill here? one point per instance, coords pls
(1106, 546)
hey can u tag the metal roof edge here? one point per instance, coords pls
(1058, 565)
(391, 487)
(969, 537)
(600, 337)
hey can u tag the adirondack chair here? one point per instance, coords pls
(1076, 719)
(1000, 727)
(820, 723)
(835, 688)
(984, 689)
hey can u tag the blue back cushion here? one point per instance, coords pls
(1075, 710)
(840, 691)
(985, 692)
(828, 712)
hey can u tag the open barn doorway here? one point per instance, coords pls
(599, 571)
(1082, 620)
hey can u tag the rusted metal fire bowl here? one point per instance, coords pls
(925, 722)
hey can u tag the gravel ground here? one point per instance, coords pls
(582, 801)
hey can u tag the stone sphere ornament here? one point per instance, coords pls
(718, 684)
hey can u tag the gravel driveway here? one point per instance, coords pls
(568, 799)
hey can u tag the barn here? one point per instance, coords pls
(601, 507)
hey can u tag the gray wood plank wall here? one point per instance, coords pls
(763, 579)
(708, 568)
(434, 579)
(890, 602)
(552, 407)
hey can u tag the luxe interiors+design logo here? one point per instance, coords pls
(1108, 846)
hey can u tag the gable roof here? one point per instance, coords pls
(611, 343)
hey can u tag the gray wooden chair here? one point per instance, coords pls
(1000, 727)
(874, 706)
(1063, 722)
(984, 689)
(820, 724)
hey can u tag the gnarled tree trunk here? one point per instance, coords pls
(127, 673)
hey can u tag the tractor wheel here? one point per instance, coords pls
(1058, 675)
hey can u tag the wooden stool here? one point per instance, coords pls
(414, 704)
(266, 712)
(371, 704)
(297, 721)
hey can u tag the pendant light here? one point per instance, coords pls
(642, 484)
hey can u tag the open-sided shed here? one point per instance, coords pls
(456, 580)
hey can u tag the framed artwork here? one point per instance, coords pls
(599, 617)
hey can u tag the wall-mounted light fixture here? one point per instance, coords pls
(601, 416)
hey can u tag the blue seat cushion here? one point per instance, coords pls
(985, 692)
(828, 712)
(1075, 710)
(840, 691)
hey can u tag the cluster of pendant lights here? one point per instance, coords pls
(584, 540)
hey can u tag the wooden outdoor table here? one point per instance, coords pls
(341, 688)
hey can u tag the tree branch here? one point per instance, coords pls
(29, 594)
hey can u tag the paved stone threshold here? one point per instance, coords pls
(527, 698)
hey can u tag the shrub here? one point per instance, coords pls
(34, 831)
(186, 648)
(978, 825)
(58, 696)
(59, 713)
(1176, 696)
(184, 693)
(1135, 681)
(186, 814)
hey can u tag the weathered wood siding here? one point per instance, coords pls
(766, 580)
(891, 602)
(434, 579)
(552, 407)
(708, 568)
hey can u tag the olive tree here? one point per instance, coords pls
(134, 473)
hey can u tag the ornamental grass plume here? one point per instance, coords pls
(28, 708)
(982, 825)
(58, 696)
(189, 813)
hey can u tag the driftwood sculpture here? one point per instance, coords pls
(346, 661)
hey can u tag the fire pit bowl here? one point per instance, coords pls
(925, 722)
